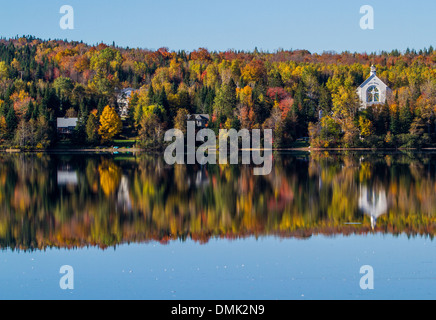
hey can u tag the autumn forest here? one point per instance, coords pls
(41, 80)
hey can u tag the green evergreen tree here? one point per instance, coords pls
(151, 95)
(395, 125)
(11, 122)
(406, 117)
(92, 136)
(162, 99)
(100, 106)
(225, 100)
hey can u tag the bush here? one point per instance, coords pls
(407, 140)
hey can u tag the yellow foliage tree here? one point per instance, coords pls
(3, 70)
(180, 120)
(245, 95)
(15, 64)
(365, 126)
(3, 128)
(228, 124)
(110, 124)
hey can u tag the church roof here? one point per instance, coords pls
(373, 75)
(368, 80)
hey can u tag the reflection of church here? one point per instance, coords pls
(372, 203)
(373, 90)
(123, 196)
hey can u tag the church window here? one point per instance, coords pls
(372, 94)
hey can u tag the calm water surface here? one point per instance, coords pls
(133, 227)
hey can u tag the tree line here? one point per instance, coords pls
(285, 90)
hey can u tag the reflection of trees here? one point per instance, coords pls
(141, 198)
(110, 176)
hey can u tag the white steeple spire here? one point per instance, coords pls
(373, 70)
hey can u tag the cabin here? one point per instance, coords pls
(373, 90)
(66, 126)
(201, 120)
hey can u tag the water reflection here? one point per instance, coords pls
(104, 200)
(373, 203)
(67, 177)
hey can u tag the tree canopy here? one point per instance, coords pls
(286, 91)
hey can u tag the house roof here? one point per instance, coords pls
(66, 122)
(126, 92)
(199, 116)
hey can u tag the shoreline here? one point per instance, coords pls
(76, 150)
(139, 150)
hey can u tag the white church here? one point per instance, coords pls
(373, 90)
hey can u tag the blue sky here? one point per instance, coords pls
(314, 25)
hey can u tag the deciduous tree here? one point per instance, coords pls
(110, 124)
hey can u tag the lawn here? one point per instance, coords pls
(120, 143)
(300, 144)
(124, 143)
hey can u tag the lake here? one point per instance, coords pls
(133, 227)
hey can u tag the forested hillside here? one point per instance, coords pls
(285, 91)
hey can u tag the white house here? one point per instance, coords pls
(123, 100)
(373, 90)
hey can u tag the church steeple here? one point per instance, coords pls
(373, 90)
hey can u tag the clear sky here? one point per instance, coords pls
(315, 25)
